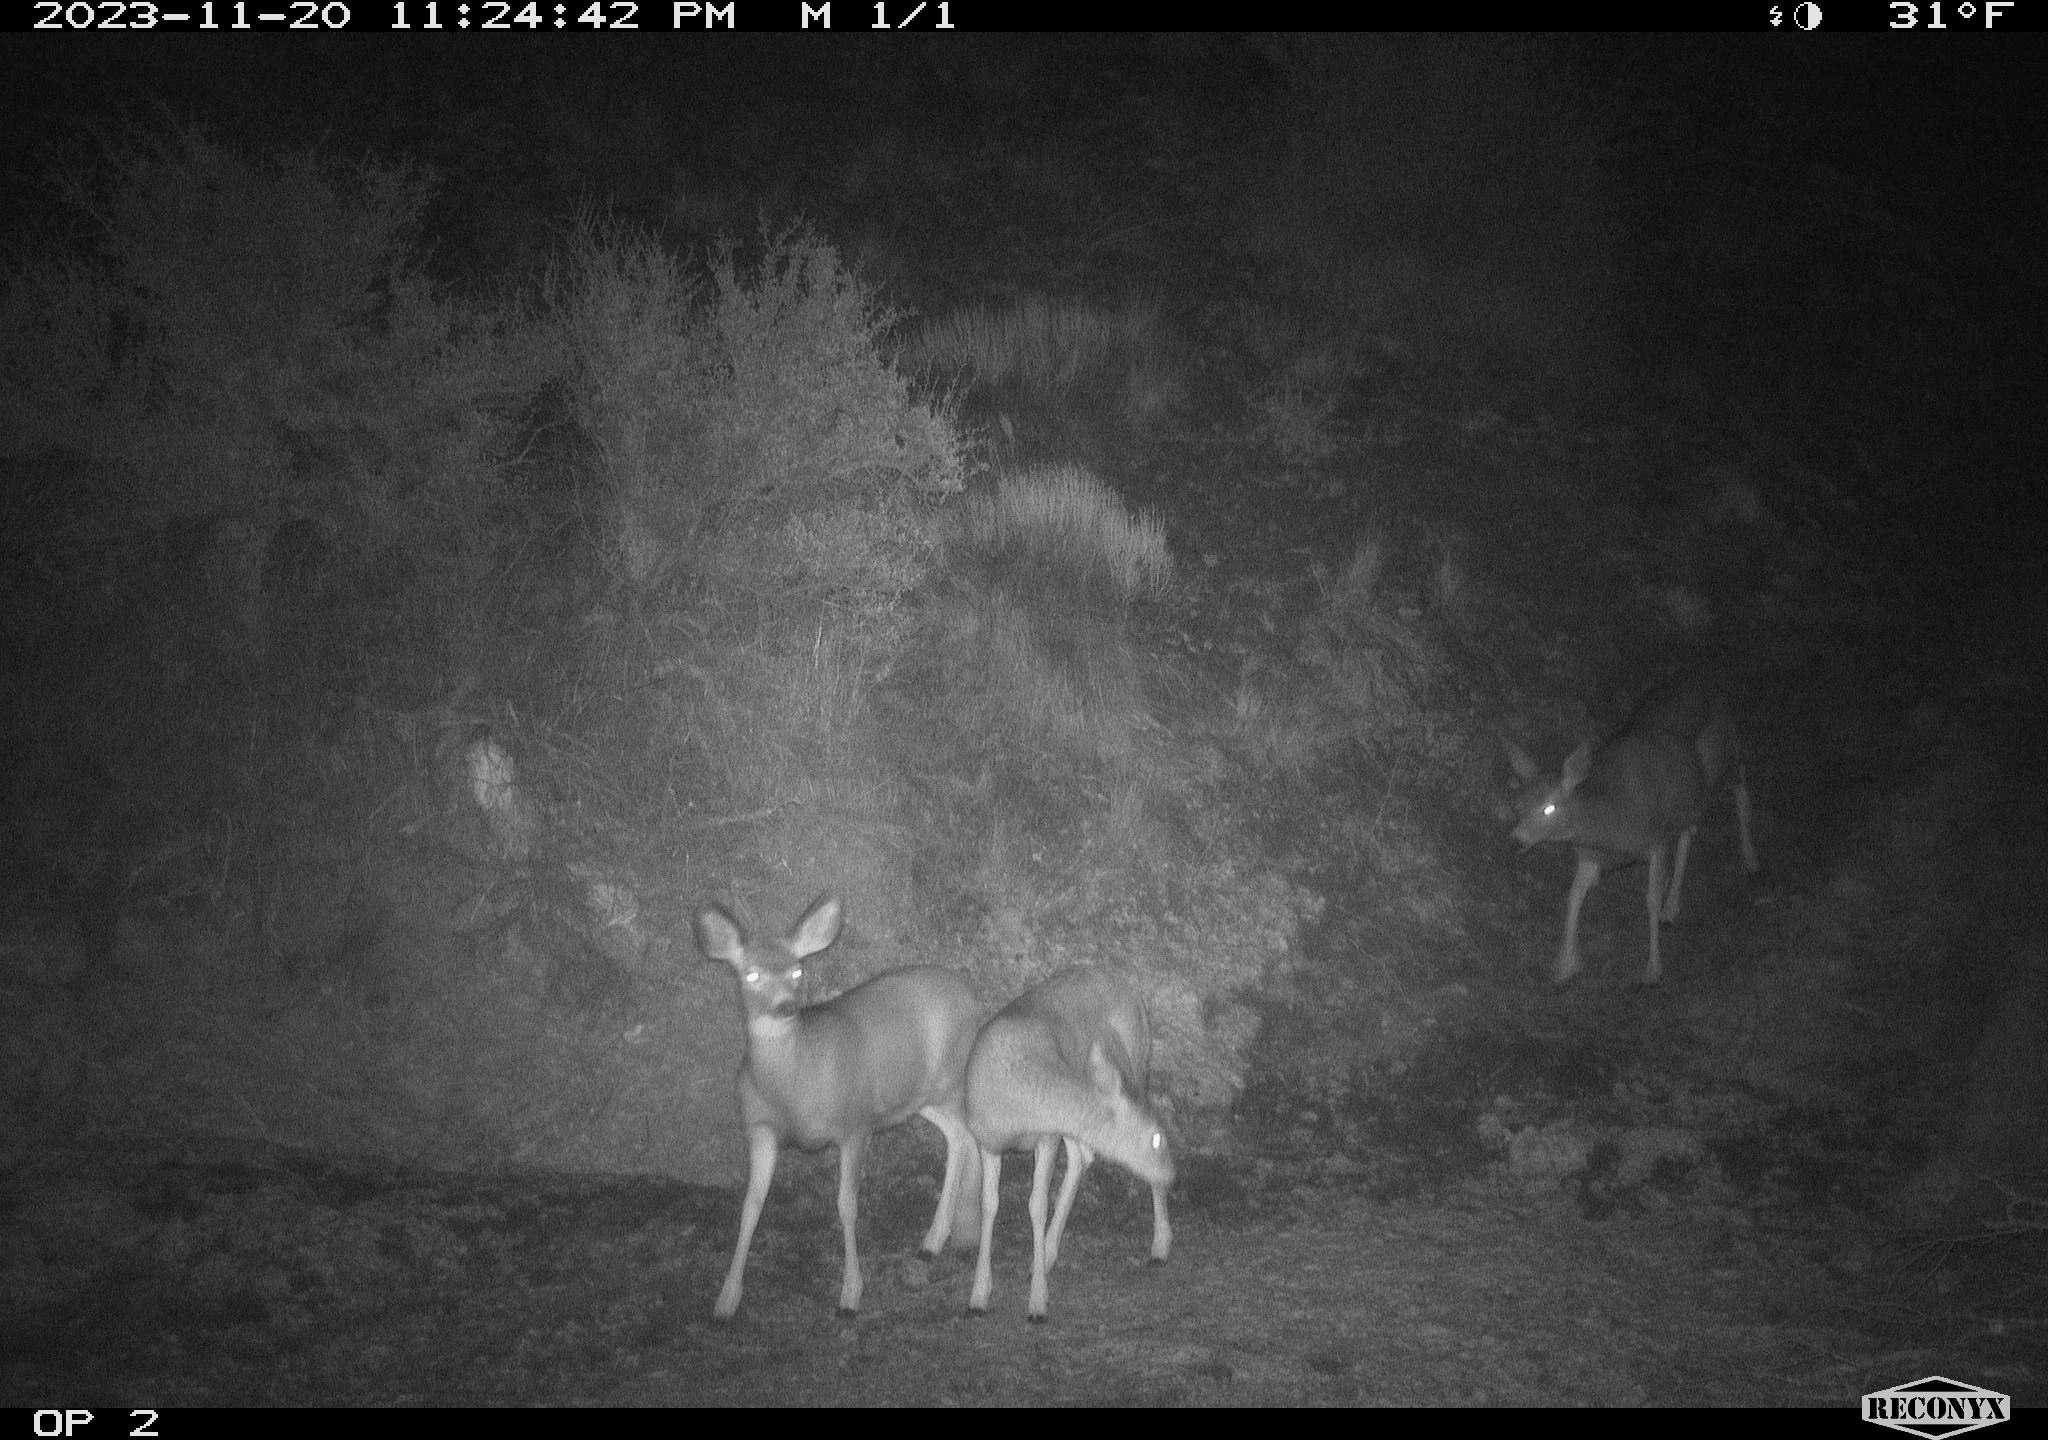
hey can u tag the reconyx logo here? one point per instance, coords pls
(1936, 1407)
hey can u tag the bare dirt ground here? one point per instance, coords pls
(338, 1287)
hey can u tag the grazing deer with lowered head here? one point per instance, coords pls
(835, 1072)
(1633, 797)
(1065, 1063)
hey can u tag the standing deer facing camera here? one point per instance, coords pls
(1632, 797)
(836, 1072)
(1064, 1063)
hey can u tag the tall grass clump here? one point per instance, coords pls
(1046, 348)
(1046, 568)
(1042, 345)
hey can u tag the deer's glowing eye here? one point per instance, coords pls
(796, 975)
(753, 976)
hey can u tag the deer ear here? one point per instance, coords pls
(818, 928)
(1577, 764)
(1103, 1072)
(1524, 768)
(718, 935)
